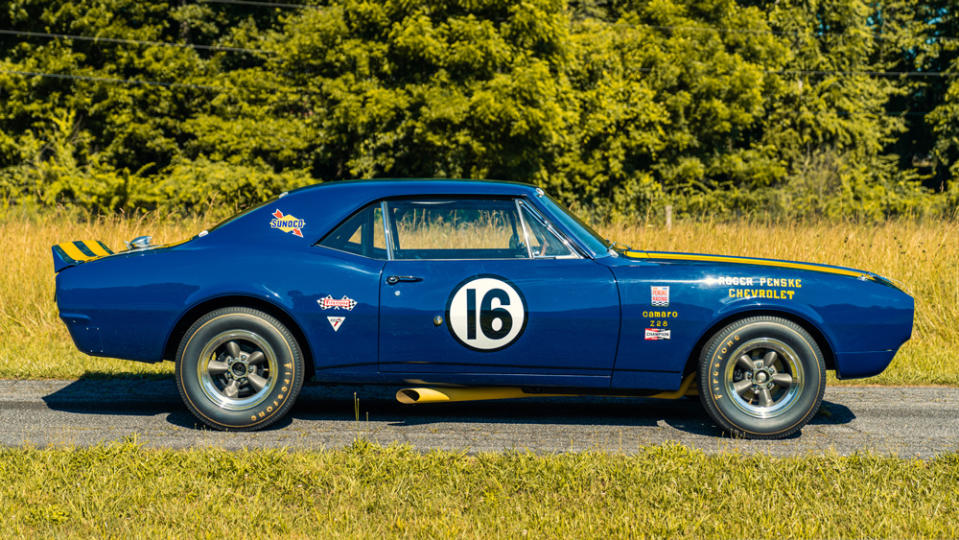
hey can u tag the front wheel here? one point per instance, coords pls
(239, 369)
(762, 378)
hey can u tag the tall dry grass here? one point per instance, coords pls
(34, 343)
(923, 255)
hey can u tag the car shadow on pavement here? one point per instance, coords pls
(148, 396)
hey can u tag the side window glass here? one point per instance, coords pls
(542, 241)
(464, 228)
(361, 233)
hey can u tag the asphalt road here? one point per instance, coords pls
(912, 421)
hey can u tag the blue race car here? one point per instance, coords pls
(471, 290)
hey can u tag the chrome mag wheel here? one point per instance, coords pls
(766, 379)
(237, 370)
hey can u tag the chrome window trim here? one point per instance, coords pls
(573, 253)
(386, 231)
(522, 223)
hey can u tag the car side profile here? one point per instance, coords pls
(457, 290)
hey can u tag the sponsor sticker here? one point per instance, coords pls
(288, 223)
(328, 302)
(659, 295)
(657, 334)
(336, 322)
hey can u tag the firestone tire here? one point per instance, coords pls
(239, 369)
(762, 378)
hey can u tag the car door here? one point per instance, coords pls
(485, 285)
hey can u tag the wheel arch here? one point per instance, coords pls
(206, 306)
(692, 362)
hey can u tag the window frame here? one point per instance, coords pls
(333, 229)
(520, 203)
(572, 252)
(390, 223)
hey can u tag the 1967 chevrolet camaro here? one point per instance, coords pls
(464, 290)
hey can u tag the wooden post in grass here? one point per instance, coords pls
(669, 217)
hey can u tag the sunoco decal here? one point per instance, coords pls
(486, 313)
(328, 302)
(657, 334)
(288, 223)
(659, 296)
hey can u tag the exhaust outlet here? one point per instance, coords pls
(439, 395)
(410, 396)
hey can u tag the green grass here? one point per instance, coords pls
(366, 491)
(924, 255)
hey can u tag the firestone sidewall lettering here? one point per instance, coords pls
(486, 313)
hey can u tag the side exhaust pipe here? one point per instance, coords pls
(478, 393)
(409, 396)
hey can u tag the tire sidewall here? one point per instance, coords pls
(719, 352)
(288, 359)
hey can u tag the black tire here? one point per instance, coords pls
(239, 369)
(777, 394)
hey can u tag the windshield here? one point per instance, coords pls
(596, 243)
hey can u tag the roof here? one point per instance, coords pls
(422, 186)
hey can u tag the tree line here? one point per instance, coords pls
(835, 108)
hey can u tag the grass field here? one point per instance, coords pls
(924, 255)
(123, 490)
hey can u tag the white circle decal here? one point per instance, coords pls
(486, 313)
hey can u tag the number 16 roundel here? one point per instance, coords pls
(486, 313)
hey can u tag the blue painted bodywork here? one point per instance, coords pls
(588, 318)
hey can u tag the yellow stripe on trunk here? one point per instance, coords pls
(74, 252)
(96, 248)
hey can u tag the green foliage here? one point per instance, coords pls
(621, 107)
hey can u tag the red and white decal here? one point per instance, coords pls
(657, 334)
(659, 296)
(328, 302)
(336, 322)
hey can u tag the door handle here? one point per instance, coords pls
(393, 280)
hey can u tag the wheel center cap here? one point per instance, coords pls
(238, 369)
(762, 377)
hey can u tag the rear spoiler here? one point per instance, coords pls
(70, 254)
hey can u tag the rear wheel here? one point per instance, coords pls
(239, 369)
(762, 378)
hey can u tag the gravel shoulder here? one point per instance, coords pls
(904, 421)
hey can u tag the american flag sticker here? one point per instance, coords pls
(660, 296)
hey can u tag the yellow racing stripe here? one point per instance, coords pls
(74, 252)
(96, 248)
(737, 260)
